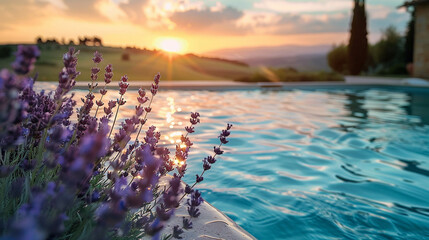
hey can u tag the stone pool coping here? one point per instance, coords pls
(212, 224)
(350, 81)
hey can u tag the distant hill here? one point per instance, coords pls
(142, 64)
(301, 63)
(302, 58)
(269, 52)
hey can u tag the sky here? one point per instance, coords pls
(194, 25)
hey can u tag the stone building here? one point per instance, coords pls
(421, 37)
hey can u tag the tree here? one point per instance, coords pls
(389, 53)
(39, 40)
(338, 59)
(409, 39)
(96, 41)
(390, 47)
(358, 44)
(84, 41)
(5, 51)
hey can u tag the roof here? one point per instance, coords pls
(414, 3)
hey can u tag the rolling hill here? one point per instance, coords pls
(142, 64)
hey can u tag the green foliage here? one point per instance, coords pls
(389, 48)
(358, 44)
(5, 51)
(386, 57)
(338, 59)
(389, 53)
(290, 75)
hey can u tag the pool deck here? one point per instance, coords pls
(351, 81)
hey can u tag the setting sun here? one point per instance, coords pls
(174, 45)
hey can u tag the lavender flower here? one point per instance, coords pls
(25, 58)
(171, 197)
(155, 85)
(167, 165)
(27, 165)
(108, 110)
(223, 140)
(94, 73)
(217, 150)
(139, 111)
(97, 57)
(199, 179)
(39, 218)
(68, 74)
(12, 108)
(123, 85)
(177, 231)
(142, 92)
(190, 129)
(152, 137)
(206, 165)
(210, 159)
(193, 204)
(109, 74)
(194, 118)
(188, 189)
(6, 170)
(187, 224)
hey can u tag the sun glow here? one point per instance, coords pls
(174, 45)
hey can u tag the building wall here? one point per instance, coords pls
(421, 44)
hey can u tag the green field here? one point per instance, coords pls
(140, 66)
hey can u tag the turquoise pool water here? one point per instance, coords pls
(310, 164)
(333, 164)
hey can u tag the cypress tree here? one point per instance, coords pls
(358, 44)
(409, 39)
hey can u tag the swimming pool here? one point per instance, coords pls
(309, 164)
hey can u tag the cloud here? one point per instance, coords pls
(394, 18)
(325, 23)
(315, 17)
(154, 14)
(57, 3)
(84, 9)
(218, 7)
(222, 19)
(287, 23)
(304, 6)
(134, 10)
(258, 19)
(21, 12)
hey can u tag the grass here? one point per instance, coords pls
(140, 66)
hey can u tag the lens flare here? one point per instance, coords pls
(173, 45)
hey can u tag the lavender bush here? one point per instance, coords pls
(64, 179)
